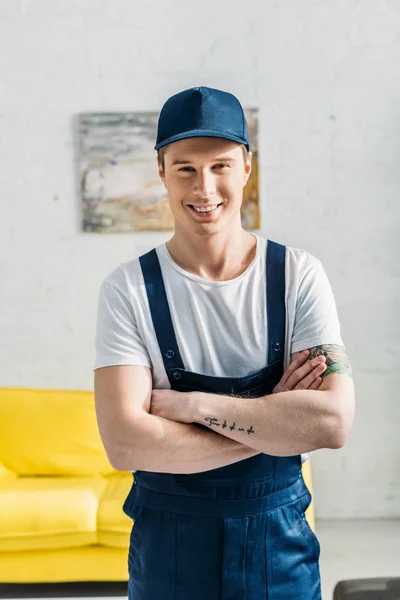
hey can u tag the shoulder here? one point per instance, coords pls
(304, 271)
(300, 260)
(126, 278)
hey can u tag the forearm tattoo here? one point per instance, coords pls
(336, 359)
(214, 422)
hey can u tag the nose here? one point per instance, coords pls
(204, 185)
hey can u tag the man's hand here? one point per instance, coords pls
(302, 374)
(171, 405)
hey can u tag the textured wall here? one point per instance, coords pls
(325, 76)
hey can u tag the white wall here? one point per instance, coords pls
(325, 76)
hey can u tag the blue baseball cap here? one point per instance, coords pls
(202, 112)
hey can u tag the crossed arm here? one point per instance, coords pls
(282, 424)
(184, 433)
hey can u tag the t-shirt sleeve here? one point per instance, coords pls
(316, 319)
(118, 341)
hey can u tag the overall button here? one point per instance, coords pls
(276, 346)
(177, 375)
(170, 354)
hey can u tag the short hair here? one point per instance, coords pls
(161, 154)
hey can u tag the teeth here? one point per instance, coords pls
(206, 209)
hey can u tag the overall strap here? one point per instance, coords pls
(276, 308)
(160, 312)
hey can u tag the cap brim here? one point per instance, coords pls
(202, 133)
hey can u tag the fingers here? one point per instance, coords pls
(315, 384)
(295, 364)
(304, 376)
(309, 379)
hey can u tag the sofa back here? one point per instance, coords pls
(50, 432)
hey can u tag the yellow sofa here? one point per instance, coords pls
(61, 515)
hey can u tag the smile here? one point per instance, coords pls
(204, 209)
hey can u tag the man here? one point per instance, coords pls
(201, 386)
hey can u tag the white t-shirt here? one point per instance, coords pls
(220, 326)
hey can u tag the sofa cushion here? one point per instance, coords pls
(114, 526)
(49, 512)
(6, 473)
(47, 432)
(90, 563)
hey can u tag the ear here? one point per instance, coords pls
(247, 168)
(161, 173)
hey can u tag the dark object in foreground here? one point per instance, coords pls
(383, 588)
(64, 590)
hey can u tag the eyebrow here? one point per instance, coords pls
(183, 161)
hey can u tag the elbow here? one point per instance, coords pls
(119, 461)
(340, 426)
(116, 456)
(115, 459)
(116, 463)
(338, 438)
(113, 452)
(121, 443)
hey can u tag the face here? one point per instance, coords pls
(204, 178)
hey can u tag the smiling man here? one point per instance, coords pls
(219, 368)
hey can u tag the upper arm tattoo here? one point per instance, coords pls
(336, 359)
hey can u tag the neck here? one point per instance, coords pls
(218, 257)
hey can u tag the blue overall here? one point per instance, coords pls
(237, 532)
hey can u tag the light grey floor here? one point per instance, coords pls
(349, 550)
(357, 549)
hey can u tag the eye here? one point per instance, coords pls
(221, 165)
(186, 169)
